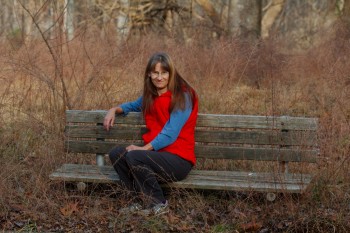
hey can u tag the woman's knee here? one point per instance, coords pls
(134, 157)
(116, 153)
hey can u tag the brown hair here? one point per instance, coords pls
(177, 85)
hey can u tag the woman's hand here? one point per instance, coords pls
(109, 119)
(133, 147)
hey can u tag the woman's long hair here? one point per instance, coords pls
(176, 85)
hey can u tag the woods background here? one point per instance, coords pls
(299, 22)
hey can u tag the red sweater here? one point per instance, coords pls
(159, 115)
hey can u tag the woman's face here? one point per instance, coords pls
(160, 79)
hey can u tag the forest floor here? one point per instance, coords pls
(40, 205)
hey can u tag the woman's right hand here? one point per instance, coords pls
(109, 119)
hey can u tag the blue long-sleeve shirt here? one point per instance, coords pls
(172, 127)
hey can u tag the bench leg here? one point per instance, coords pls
(271, 197)
(81, 186)
(100, 160)
(284, 167)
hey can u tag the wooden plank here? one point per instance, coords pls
(259, 181)
(291, 138)
(194, 174)
(97, 116)
(206, 120)
(117, 133)
(202, 151)
(258, 154)
(247, 175)
(239, 186)
(255, 137)
(197, 179)
(257, 122)
(85, 173)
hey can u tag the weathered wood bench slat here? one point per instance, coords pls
(233, 185)
(88, 178)
(201, 135)
(224, 180)
(195, 174)
(206, 120)
(203, 151)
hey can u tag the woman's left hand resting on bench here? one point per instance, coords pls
(109, 122)
(110, 117)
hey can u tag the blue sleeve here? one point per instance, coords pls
(173, 126)
(134, 106)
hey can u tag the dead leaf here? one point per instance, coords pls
(69, 209)
(238, 214)
(184, 228)
(172, 219)
(17, 207)
(251, 226)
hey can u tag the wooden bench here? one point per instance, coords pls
(243, 152)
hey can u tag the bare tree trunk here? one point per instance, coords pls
(233, 18)
(346, 11)
(243, 18)
(271, 12)
(3, 19)
(69, 18)
(210, 10)
(300, 23)
(123, 27)
(27, 21)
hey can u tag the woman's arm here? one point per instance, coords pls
(173, 126)
(169, 133)
(125, 108)
(135, 106)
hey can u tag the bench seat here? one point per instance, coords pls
(197, 179)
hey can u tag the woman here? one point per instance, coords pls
(170, 107)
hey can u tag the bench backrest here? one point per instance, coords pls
(237, 137)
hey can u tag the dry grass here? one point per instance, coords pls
(231, 77)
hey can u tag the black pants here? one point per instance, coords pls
(143, 171)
